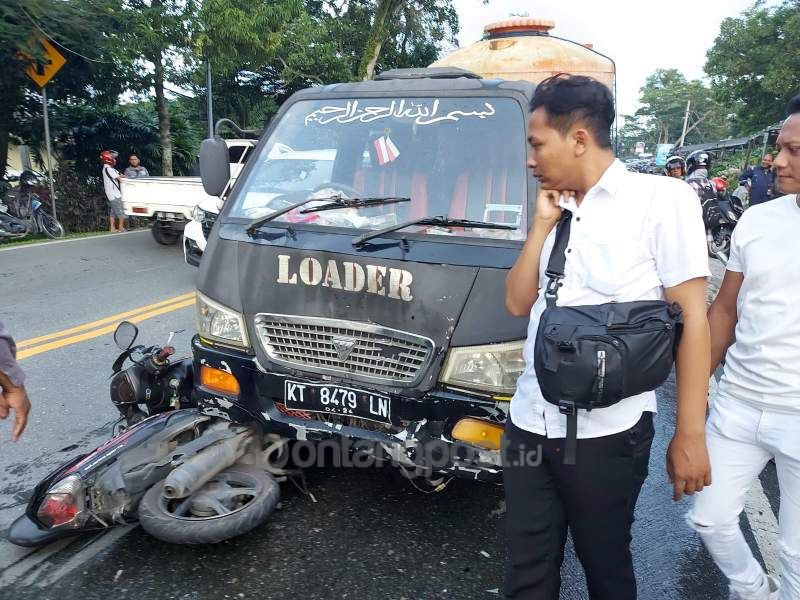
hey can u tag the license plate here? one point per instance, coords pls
(336, 400)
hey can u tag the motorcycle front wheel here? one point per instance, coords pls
(52, 228)
(720, 246)
(235, 501)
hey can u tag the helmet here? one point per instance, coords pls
(673, 162)
(721, 183)
(109, 157)
(698, 160)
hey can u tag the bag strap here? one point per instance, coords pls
(558, 259)
(555, 272)
(114, 181)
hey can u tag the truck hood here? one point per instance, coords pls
(275, 283)
(450, 294)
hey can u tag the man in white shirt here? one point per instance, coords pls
(633, 237)
(755, 416)
(111, 185)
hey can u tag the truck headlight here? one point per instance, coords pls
(492, 368)
(219, 323)
(198, 214)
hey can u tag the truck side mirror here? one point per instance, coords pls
(215, 170)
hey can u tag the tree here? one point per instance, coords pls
(260, 53)
(663, 102)
(259, 56)
(158, 39)
(754, 64)
(407, 22)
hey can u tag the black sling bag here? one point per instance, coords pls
(589, 357)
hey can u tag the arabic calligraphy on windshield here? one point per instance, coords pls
(420, 113)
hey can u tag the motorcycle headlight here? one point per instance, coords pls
(731, 215)
(493, 368)
(221, 324)
(198, 214)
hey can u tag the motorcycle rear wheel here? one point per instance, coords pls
(235, 501)
(52, 228)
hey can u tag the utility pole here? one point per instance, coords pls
(210, 101)
(49, 151)
(685, 123)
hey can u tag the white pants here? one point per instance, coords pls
(741, 440)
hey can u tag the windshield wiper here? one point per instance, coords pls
(440, 221)
(356, 203)
(336, 202)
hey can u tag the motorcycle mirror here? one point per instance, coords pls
(172, 335)
(125, 334)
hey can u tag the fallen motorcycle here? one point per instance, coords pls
(186, 476)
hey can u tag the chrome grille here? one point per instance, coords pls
(361, 351)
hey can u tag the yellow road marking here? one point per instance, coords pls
(112, 319)
(27, 353)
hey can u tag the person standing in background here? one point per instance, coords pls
(135, 169)
(111, 185)
(762, 181)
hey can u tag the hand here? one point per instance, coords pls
(688, 467)
(547, 208)
(16, 399)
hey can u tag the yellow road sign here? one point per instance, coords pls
(42, 71)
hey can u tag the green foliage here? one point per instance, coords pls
(260, 57)
(81, 204)
(80, 132)
(72, 23)
(754, 64)
(244, 35)
(664, 97)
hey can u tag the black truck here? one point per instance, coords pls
(360, 295)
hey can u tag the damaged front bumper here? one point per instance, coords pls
(441, 433)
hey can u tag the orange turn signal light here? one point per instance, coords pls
(479, 433)
(219, 381)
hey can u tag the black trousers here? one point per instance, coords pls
(595, 499)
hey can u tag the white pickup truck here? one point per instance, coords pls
(287, 171)
(168, 202)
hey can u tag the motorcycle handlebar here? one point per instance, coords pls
(165, 353)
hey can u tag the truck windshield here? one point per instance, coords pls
(463, 158)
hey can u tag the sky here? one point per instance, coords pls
(640, 36)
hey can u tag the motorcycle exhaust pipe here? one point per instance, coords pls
(202, 467)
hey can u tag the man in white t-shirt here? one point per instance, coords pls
(111, 185)
(756, 413)
(632, 237)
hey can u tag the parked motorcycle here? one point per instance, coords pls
(22, 210)
(188, 477)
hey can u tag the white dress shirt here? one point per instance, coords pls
(632, 236)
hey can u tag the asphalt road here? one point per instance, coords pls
(368, 535)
